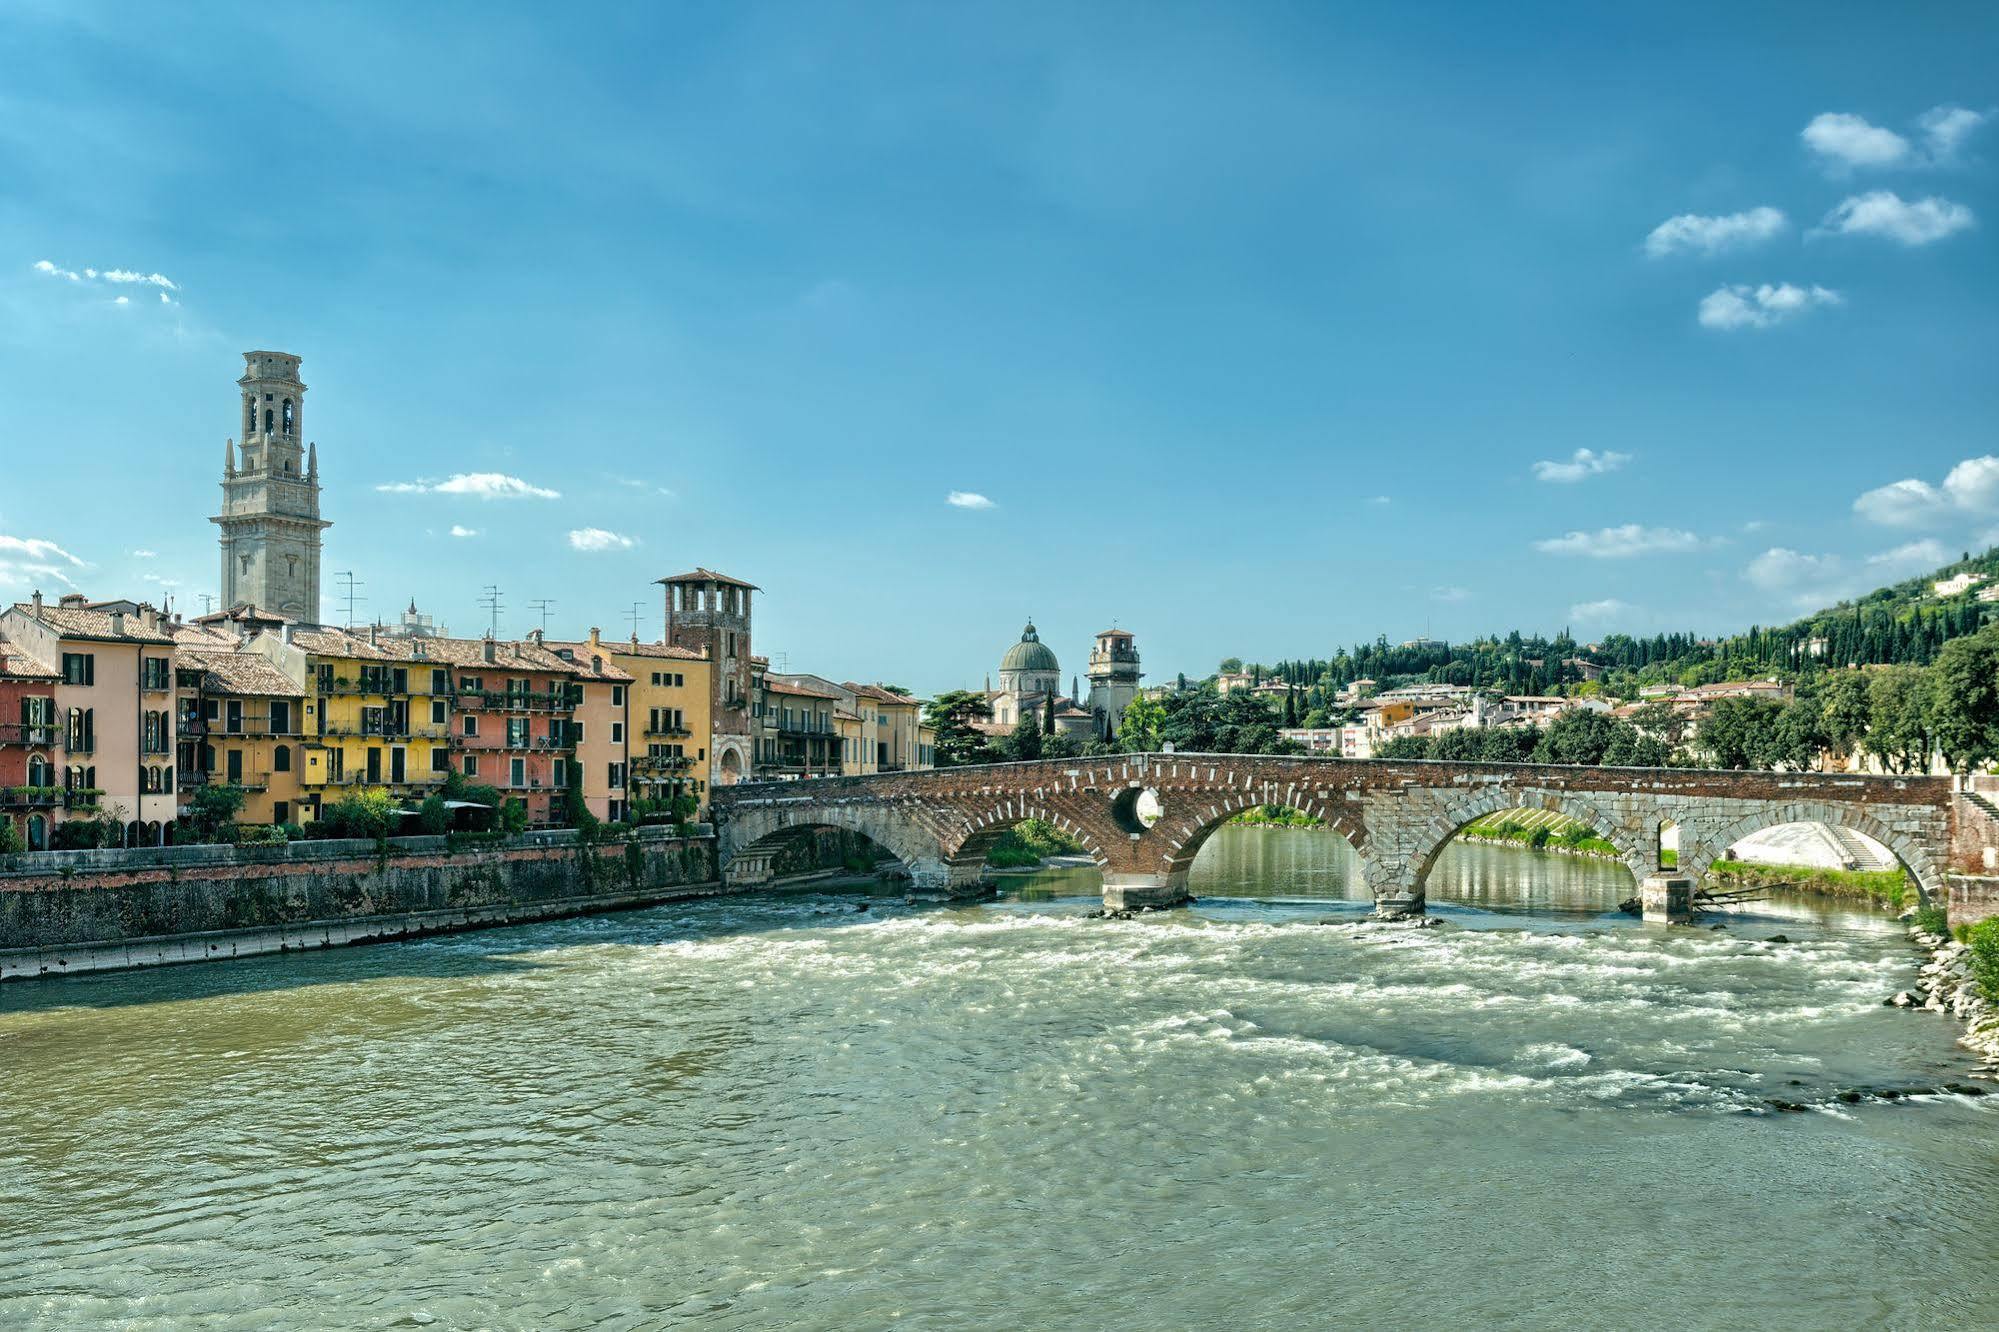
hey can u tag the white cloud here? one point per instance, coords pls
(1598, 610)
(634, 483)
(458, 531)
(1970, 489)
(122, 300)
(1692, 232)
(1378, 499)
(145, 554)
(1844, 141)
(1450, 593)
(1946, 128)
(1617, 543)
(35, 548)
(596, 538)
(1886, 213)
(1743, 306)
(1584, 462)
(123, 275)
(44, 266)
(116, 276)
(1813, 581)
(967, 499)
(479, 485)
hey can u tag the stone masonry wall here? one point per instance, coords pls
(246, 900)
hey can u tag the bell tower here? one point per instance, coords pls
(270, 498)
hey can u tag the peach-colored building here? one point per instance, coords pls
(602, 727)
(114, 702)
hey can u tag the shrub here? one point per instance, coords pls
(1932, 920)
(1983, 939)
(432, 818)
(10, 840)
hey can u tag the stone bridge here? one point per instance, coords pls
(940, 824)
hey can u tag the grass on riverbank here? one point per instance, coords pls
(1538, 830)
(1890, 888)
(1030, 842)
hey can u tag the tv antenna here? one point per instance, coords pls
(634, 615)
(351, 592)
(207, 603)
(490, 599)
(540, 607)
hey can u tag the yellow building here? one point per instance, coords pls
(245, 727)
(671, 718)
(377, 712)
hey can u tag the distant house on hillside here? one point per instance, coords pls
(1952, 586)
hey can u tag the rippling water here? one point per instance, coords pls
(785, 1111)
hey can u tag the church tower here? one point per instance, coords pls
(1114, 677)
(270, 499)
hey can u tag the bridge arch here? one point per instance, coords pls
(984, 829)
(1920, 865)
(1189, 834)
(1438, 831)
(751, 833)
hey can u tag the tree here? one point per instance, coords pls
(1579, 735)
(1800, 734)
(1964, 700)
(1898, 717)
(1139, 728)
(1231, 665)
(1025, 742)
(1405, 747)
(211, 813)
(1061, 745)
(1462, 744)
(513, 816)
(956, 716)
(1740, 732)
(1630, 747)
(1845, 708)
(1048, 714)
(432, 818)
(1290, 708)
(10, 839)
(369, 814)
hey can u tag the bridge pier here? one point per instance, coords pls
(954, 881)
(1129, 892)
(1667, 899)
(748, 869)
(1400, 904)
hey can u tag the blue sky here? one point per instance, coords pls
(1259, 328)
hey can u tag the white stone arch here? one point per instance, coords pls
(1188, 836)
(1436, 832)
(1911, 855)
(987, 827)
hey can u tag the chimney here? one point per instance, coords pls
(149, 617)
(534, 637)
(38, 603)
(596, 639)
(285, 633)
(118, 624)
(371, 634)
(487, 651)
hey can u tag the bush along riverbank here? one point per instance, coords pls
(1539, 830)
(1030, 842)
(1961, 979)
(1277, 816)
(1885, 888)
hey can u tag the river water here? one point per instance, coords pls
(785, 1111)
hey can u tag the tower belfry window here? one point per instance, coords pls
(267, 420)
(288, 416)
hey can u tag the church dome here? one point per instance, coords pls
(1030, 654)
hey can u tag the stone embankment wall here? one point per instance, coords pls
(64, 912)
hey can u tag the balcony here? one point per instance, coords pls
(371, 731)
(81, 746)
(369, 686)
(669, 733)
(21, 733)
(30, 797)
(807, 726)
(506, 700)
(660, 763)
(190, 778)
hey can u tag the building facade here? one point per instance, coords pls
(271, 528)
(31, 796)
(670, 706)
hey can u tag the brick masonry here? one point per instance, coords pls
(1397, 815)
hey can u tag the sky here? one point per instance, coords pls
(1256, 330)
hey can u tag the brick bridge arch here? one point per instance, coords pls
(941, 823)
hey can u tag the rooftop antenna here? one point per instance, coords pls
(633, 615)
(351, 593)
(490, 599)
(207, 603)
(541, 608)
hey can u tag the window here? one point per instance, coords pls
(575, 732)
(281, 717)
(471, 724)
(79, 668)
(617, 775)
(234, 724)
(336, 765)
(437, 712)
(281, 759)
(81, 737)
(281, 811)
(471, 765)
(559, 774)
(517, 733)
(234, 765)
(617, 696)
(437, 685)
(155, 673)
(517, 772)
(323, 677)
(440, 759)
(617, 733)
(398, 764)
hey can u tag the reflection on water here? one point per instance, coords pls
(783, 1111)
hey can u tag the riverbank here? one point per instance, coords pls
(1885, 888)
(1948, 984)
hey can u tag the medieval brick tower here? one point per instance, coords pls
(709, 613)
(1114, 677)
(270, 500)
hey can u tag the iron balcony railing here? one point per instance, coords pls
(382, 731)
(27, 733)
(669, 732)
(31, 797)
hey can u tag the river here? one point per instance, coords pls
(787, 1111)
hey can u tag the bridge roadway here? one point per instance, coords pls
(1398, 815)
